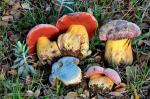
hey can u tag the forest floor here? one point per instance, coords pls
(17, 17)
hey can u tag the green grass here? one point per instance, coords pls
(4, 42)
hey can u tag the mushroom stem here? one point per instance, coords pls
(101, 81)
(118, 51)
(46, 49)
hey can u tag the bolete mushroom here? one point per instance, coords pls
(102, 78)
(38, 41)
(78, 18)
(66, 70)
(118, 34)
(77, 28)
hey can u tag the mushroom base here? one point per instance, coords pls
(47, 50)
(118, 52)
(101, 82)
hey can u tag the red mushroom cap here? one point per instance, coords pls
(78, 18)
(113, 75)
(94, 70)
(36, 32)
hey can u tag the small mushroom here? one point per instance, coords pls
(118, 34)
(103, 78)
(66, 71)
(78, 28)
(38, 42)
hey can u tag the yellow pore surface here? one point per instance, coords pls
(75, 40)
(118, 51)
(101, 81)
(47, 49)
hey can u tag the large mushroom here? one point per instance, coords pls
(77, 28)
(102, 78)
(118, 34)
(66, 71)
(38, 41)
(78, 18)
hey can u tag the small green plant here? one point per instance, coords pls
(137, 77)
(22, 59)
(65, 6)
(59, 88)
(95, 42)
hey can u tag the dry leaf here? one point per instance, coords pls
(14, 38)
(28, 80)
(13, 72)
(37, 93)
(17, 15)
(11, 2)
(29, 93)
(114, 93)
(85, 94)
(26, 6)
(121, 87)
(145, 42)
(3, 23)
(15, 8)
(7, 18)
(71, 95)
(2, 74)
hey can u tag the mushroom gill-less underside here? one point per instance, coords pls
(47, 50)
(66, 71)
(75, 42)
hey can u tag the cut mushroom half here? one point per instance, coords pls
(118, 34)
(38, 42)
(67, 72)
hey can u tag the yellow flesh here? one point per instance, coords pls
(74, 41)
(101, 81)
(118, 51)
(46, 49)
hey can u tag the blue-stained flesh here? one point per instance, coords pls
(68, 72)
(68, 59)
(65, 69)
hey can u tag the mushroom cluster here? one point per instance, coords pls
(70, 38)
(74, 39)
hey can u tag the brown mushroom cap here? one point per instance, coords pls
(118, 29)
(78, 18)
(38, 31)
